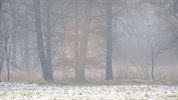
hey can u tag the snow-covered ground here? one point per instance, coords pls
(20, 91)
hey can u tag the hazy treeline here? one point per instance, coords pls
(88, 39)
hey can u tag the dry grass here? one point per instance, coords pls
(96, 76)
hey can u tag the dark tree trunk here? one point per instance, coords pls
(7, 61)
(14, 52)
(80, 72)
(14, 39)
(109, 73)
(48, 36)
(1, 64)
(76, 44)
(1, 55)
(47, 70)
(152, 60)
(152, 65)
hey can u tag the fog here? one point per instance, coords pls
(88, 40)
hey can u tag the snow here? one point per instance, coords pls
(22, 91)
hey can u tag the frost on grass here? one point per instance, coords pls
(21, 91)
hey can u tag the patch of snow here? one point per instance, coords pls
(22, 91)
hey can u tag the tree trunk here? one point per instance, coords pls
(76, 44)
(14, 37)
(7, 61)
(152, 65)
(14, 52)
(109, 73)
(48, 36)
(1, 55)
(80, 72)
(26, 51)
(47, 70)
(152, 59)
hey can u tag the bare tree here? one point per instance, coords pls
(76, 44)
(1, 53)
(153, 58)
(80, 70)
(47, 70)
(48, 34)
(109, 74)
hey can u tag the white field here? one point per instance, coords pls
(22, 91)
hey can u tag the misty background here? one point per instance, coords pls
(91, 40)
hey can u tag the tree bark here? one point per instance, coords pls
(152, 65)
(47, 70)
(1, 44)
(109, 73)
(152, 60)
(80, 72)
(26, 52)
(7, 59)
(48, 36)
(14, 52)
(76, 44)
(14, 38)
